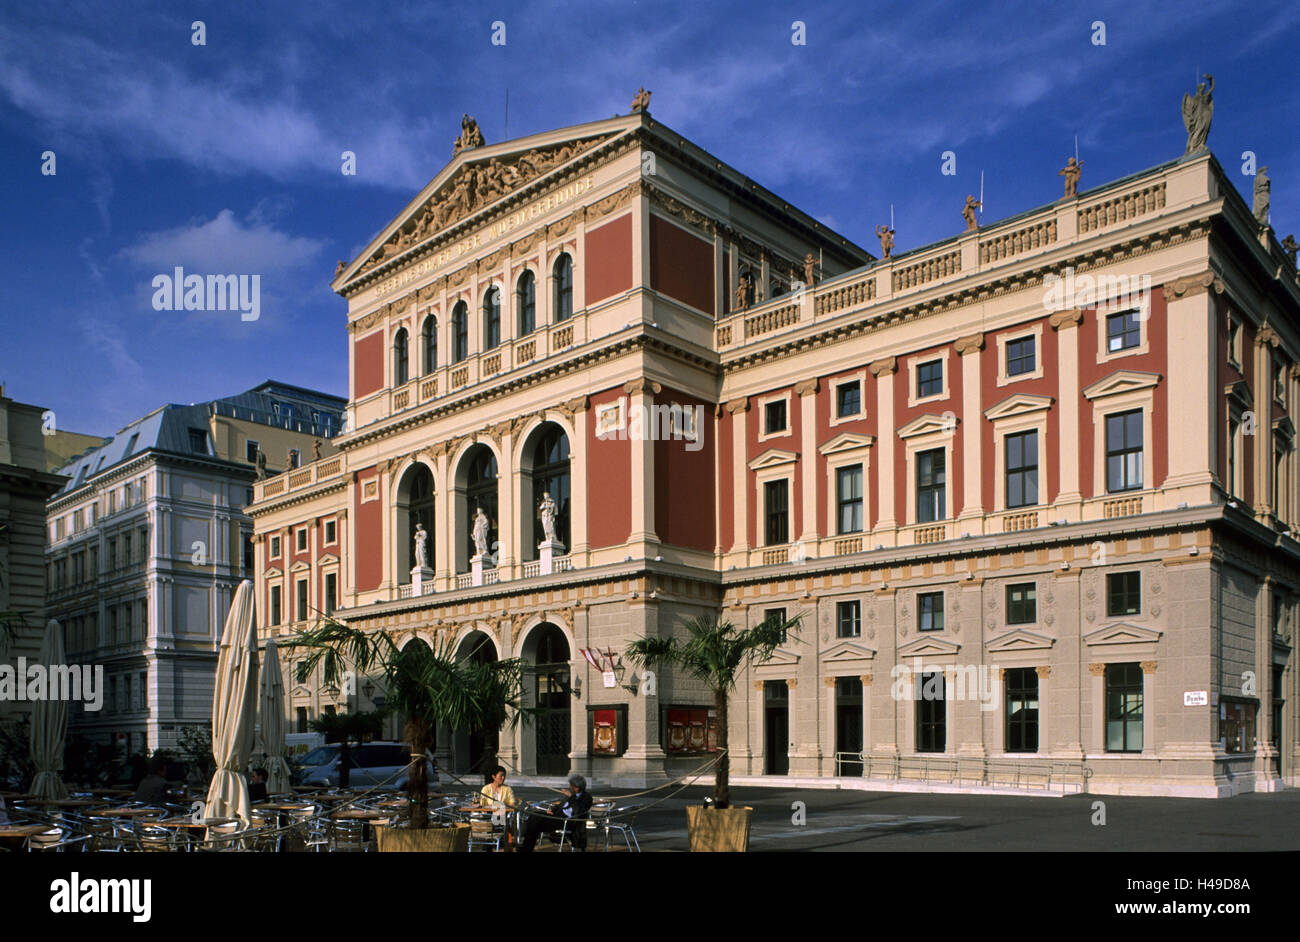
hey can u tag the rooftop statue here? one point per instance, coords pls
(1198, 109)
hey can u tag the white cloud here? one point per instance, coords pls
(223, 245)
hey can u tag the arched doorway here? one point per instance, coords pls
(546, 651)
(545, 469)
(475, 751)
(479, 480)
(414, 504)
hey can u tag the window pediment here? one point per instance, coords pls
(1122, 381)
(1239, 392)
(773, 458)
(781, 658)
(928, 423)
(848, 652)
(928, 647)
(1019, 404)
(328, 558)
(300, 566)
(1122, 633)
(848, 441)
(1284, 428)
(1019, 640)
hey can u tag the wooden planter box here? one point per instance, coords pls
(434, 840)
(718, 830)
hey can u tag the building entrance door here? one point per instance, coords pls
(776, 725)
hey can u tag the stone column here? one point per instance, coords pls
(1070, 497)
(508, 511)
(578, 481)
(1194, 391)
(1068, 705)
(810, 531)
(739, 475)
(972, 502)
(887, 525)
(1266, 339)
(641, 396)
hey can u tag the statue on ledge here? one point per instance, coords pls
(1262, 187)
(1071, 171)
(745, 290)
(1290, 246)
(481, 527)
(470, 135)
(809, 269)
(641, 102)
(338, 269)
(548, 509)
(421, 550)
(886, 237)
(968, 213)
(260, 461)
(1198, 110)
(315, 450)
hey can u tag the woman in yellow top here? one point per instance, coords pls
(496, 793)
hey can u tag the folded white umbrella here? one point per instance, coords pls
(234, 710)
(49, 722)
(271, 723)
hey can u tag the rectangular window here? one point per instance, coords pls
(777, 616)
(198, 441)
(1123, 331)
(1022, 469)
(848, 491)
(929, 379)
(776, 504)
(250, 451)
(1234, 342)
(331, 532)
(1022, 709)
(1124, 451)
(301, 537)
(930, 486)
(275, 547)
(1123, 593)
(1237, 726)
(1123, 708)
(848, 619)
(929, 611)
(275, 605)
(774, 417)
(300, 718)
(302, 600)
(1021, 356)
(248, 557)
(331, 592)
(931, 712)
(1279, 380)
(1022, 603)
(848, 399)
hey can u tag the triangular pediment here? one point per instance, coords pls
(328, 558)
(773, 457)
(300, 690)
(1019, 404)
(1121, 381)
(1122, 633)
(847, 651)
(846, 441)
(1240, 393)
(1019, 640)
(780, 658)
(929, 423)
(1284, 428)
(476, 178)
(928, 647)
(300, 566)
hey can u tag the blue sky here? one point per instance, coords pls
(226, 157)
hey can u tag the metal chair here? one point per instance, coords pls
(624, 828)
(574, 830)
(349, 836)
(157, 840)
(485, 831)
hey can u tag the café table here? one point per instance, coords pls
(16, 834)
(64, 802)
(128, 812)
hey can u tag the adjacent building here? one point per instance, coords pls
(1031, 489)
(148, 539)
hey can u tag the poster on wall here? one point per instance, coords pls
(691, 729)
(604, 734)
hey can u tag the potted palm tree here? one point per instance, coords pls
(714, 652)
(431, 688)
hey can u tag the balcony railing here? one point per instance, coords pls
(1039, 774)
(1012, 523)
(297, 479)
(1121, 507)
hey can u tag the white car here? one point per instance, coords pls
(373, 763)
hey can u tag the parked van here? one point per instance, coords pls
(373, 763)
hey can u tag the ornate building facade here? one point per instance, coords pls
(1031, 490)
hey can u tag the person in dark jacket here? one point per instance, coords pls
(152, 789)
(257, 787)
(574, 807)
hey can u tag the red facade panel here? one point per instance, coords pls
(684, 478)
(368, 364)
(609, 480)
(368, 515)
(608, 259)
(681, 265)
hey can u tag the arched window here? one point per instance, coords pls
(400, 370)
(491, 317)
(480, 491)
(420, 510)
(526, 302)
(551, 475)
(429, 334)
(563, 274)
(459, 332)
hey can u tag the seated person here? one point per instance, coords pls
(4, 814)
(152, 789)
(496, 793)
(257, 786)
(575, 806)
